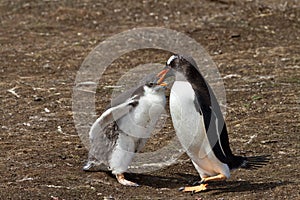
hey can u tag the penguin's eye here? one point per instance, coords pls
(151, 84)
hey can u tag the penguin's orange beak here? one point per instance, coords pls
(162, 75)
(163, 84)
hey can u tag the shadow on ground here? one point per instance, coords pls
(181, 179)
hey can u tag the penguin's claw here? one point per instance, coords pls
(199, 182)
(121, 179)
(195, 183)
(194, 189)
(202, 181)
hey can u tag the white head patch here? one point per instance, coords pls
(173, 57)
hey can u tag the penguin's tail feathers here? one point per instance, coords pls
(254, 162)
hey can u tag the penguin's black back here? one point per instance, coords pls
(206, 103)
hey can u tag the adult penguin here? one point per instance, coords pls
(199, 124)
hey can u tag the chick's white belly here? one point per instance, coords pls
(141, 121)
(190, 130)
(136, 127)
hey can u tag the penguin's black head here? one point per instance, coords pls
(174, 62)
(180, 63)
(177, 64)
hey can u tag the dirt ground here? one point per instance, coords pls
(255, 45)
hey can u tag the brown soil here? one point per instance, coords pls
(43, 43)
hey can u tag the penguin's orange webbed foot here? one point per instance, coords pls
(121, 179)
(194, 189)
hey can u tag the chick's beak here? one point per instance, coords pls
(160, 77)
(164, 84)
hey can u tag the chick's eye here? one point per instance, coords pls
(151, 84)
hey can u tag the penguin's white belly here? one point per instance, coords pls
(190, 130)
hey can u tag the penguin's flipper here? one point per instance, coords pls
(116, 112)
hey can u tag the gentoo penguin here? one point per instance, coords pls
(199, 124)
(123, 129)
